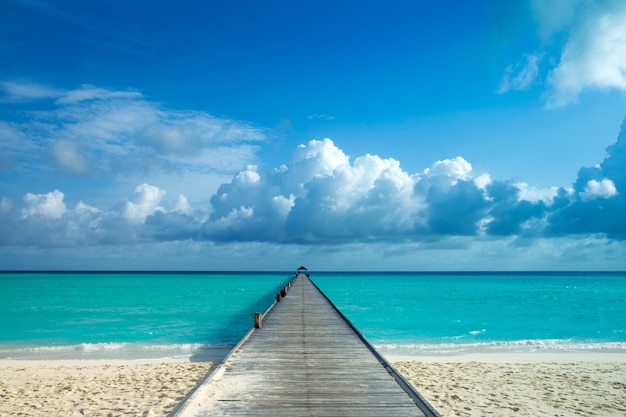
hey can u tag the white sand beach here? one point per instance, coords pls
(96, 387)
(530, 384)
(472, 385)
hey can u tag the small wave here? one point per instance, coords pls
(514, 346)
(69, 348)
(469, 334)
(187, 346)
(116, 350)
(99, 346)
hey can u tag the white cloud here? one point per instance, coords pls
(144, 203)
(534, 194)
(455, 168)
(15, 91)
(283, 205)
(235, 217)
(85, 208)
(44, 220)
(49, 205)
(599, 189)
(248, 177)
(270, 197)
(582, 45)
(319, 157)
(593, 58)
(182, 205)
(482, 181)
(323, 197)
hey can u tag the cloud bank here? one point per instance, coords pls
(324, 197)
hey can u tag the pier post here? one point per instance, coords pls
(258, 320)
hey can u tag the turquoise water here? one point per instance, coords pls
(462, 313)
(128, 315)
(93, 315)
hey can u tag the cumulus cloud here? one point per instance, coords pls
(456, 169)
(582, 47)
(324, 197)
(49, 205)
(182, 205)
(534, 194)
(598, 189)
(45, 220)
(144, 203)
(596, 203)
(510, 211)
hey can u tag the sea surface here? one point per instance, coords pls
(203, 315)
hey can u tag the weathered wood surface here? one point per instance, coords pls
(306, 360)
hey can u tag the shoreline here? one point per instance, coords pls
(199, 352)
(514, 357)
(477, 384)
(65, 362)
(483, 357)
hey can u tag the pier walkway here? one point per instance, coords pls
(306, 360)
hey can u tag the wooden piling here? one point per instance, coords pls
(258, 320)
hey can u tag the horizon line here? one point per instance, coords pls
(281, 271)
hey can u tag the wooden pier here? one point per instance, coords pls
(306, 359)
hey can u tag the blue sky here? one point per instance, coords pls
(240, 135)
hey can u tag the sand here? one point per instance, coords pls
(96, 387)
(481, 385)
(522, 385)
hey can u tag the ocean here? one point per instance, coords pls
(72, 315)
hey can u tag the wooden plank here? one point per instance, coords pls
(305, 360)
